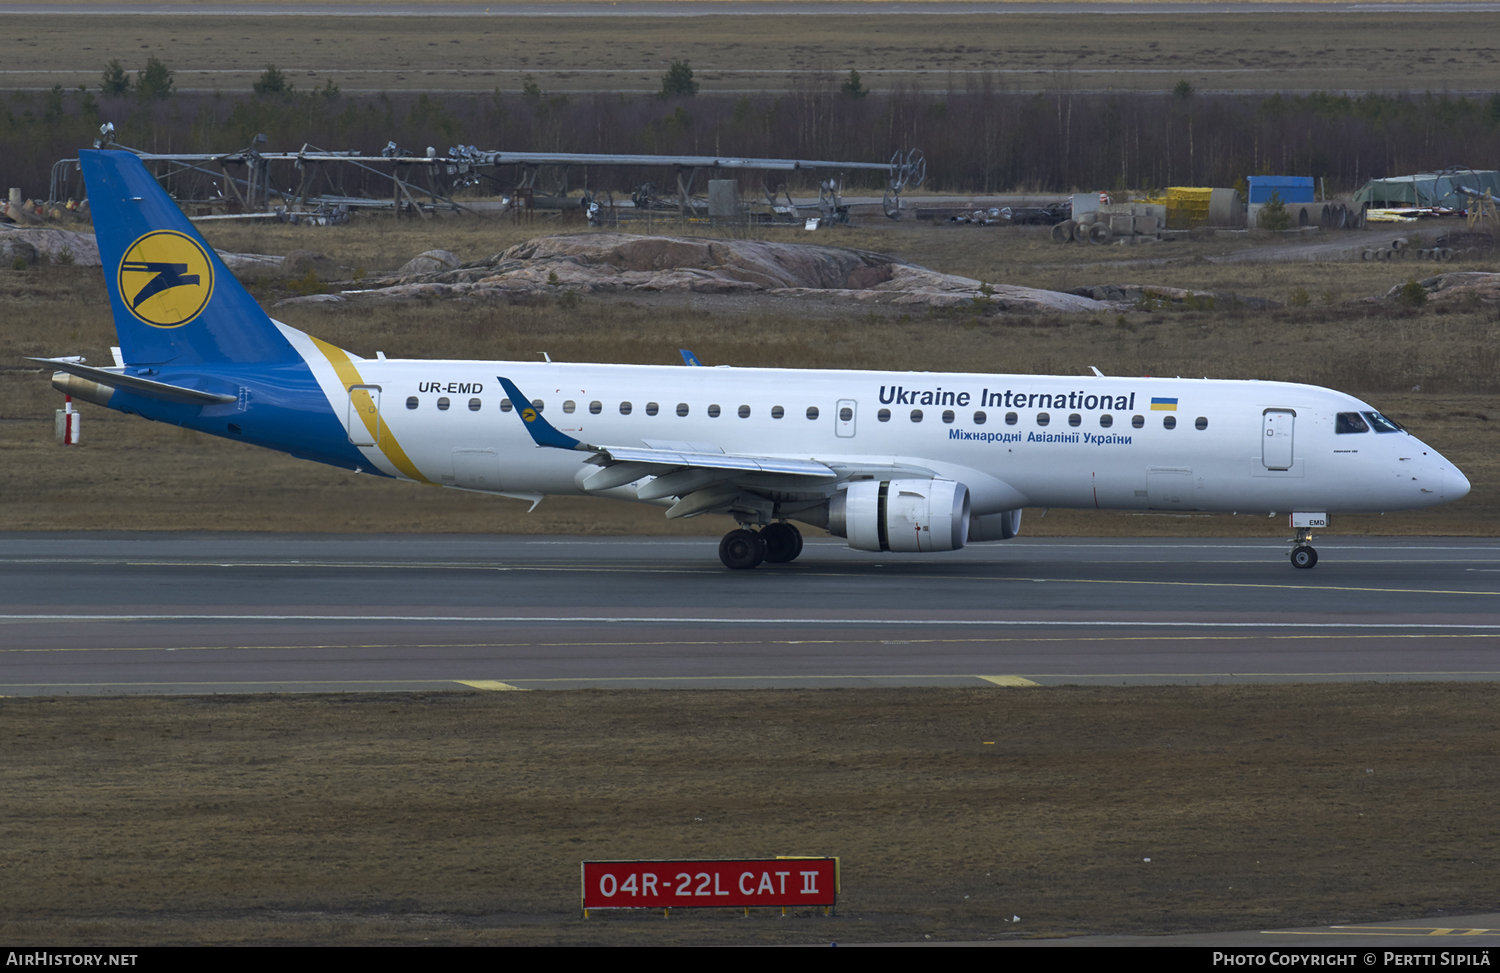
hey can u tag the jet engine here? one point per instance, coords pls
(995, 527)
(901, 515)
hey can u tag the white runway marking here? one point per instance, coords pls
(703, 620)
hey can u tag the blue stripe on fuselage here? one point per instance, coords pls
(285, 410)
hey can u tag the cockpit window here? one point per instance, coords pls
(1381, 423)
(1349, 422)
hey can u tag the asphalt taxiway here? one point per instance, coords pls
(194, 613)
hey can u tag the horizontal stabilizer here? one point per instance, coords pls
(141, 386)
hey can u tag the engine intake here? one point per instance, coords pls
(901, 515)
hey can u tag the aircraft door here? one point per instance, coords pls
(1276, 438)
(364, 415)
(844, 420)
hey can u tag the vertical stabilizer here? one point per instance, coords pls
(173, 299)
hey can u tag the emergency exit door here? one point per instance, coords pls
(845, 418)
(1277, 426)
(364, 415)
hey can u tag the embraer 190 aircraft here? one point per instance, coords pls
(892, 461)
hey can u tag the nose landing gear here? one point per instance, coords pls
(743, 549)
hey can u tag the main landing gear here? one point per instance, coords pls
(743, 549)
(1303, 555)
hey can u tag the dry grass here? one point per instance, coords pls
(462, 817)
(137, 475)
(1263, 50)
(380, 244)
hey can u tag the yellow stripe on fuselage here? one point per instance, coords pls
(386, 443)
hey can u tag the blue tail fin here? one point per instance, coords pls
(173, 298)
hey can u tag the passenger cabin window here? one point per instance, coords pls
(1075, 419)
(812, 412)
(624, 408)
(569, 406)
(1106, 420)
(596, 407)
(538, 404)
(652, 408)
(713, 411)
(744, 412)
(979, 418)
(1011, 418)
(1043, 418)
(1350, 422)
(948, 415)
(1382, 424)
(916, 415)
(884, 415)
(1201, 422)
(777, 412)
(475, 405)
(1169, 422)
(443, 404)
(1137, 421)
(411, 402)
(682, 408)
(505, 405)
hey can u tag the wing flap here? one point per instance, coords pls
(718, 461)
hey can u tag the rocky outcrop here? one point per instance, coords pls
(53, 246)
(1154, 295)
(604, 263)
(430, 262)
(1463, 288)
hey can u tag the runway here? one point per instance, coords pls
(234, 613)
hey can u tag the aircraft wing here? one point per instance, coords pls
(715, 461)
(702, 479)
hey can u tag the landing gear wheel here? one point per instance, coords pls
(1304, 557)
(741, 550)
(783, 542)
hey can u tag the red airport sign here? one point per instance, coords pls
(705, 884)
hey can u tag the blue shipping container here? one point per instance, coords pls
(1293, 189)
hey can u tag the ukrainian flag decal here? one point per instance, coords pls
(166, 279)
(1163, 405)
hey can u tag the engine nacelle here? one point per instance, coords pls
(901, 515)
(995, 527)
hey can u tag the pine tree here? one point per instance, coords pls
(154, 80)
(1273, 215)
(116, 81)
(272, 82)
(678, 81)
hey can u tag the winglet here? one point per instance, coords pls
(688, 358)
(541, 430)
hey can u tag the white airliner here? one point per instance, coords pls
(892, 461)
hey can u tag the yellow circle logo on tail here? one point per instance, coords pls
(529, 415)
(166, 279)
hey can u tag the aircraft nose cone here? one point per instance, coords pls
(1455, 484)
